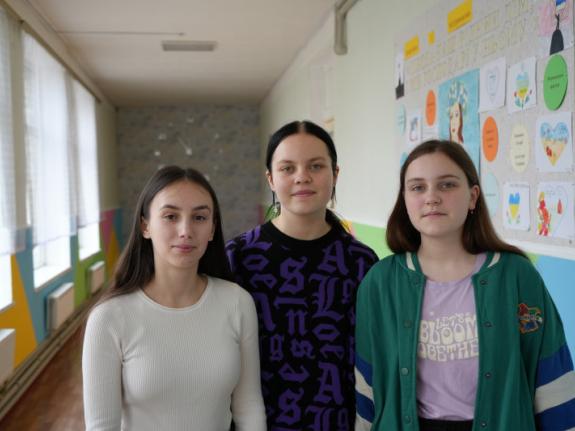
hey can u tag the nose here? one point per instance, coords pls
(185, 229)
(432, 197)
(302, 176)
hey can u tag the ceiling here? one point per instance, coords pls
(118, 44)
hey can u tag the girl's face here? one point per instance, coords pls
(302, 176)
(437, 196)
(180, 225)
(454, 122)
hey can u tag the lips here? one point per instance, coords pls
(184, 248)
(303, 193)
(433, 214)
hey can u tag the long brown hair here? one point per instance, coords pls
(135, 266)
(478, 233)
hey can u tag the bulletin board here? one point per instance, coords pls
(497, 77)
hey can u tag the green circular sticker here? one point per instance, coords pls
(555, 82)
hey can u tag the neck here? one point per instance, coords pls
(445, 260)
(176, 288)
(306, 227)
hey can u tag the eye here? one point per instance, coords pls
(170, 217)
(316, 167)
(200, 218)
(286, 169)
(416, 188)
(447, 185)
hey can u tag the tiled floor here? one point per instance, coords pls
(54, 401)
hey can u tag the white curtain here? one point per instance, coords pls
(47, 139)
(85, 154)
(8, 226)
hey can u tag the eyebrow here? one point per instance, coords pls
(441, 177)
(174, 207)
(314, 159)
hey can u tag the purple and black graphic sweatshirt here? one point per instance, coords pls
(305, 297)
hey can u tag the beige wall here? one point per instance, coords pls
(363, 104)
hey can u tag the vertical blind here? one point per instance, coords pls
(8, 227)
(47, 146)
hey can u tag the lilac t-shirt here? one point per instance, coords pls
(448, 349)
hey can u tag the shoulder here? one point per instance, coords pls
(390, 267)
(516, 264)
(355, 246)
(230, 293)
(109, 316)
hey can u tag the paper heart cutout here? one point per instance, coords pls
(554, 140)
(550, 210)
(514, 202)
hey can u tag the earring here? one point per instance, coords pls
(471, 211)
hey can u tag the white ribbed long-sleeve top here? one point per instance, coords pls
(150, 367)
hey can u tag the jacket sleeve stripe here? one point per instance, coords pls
(361, 424)
(557, 418)
(554, 366)
(364, 369)
(365, 407)
(557, 392)
(361, 386)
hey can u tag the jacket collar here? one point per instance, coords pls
(412, 262)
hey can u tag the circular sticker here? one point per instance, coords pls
(400, 119)
(519, 148)
(490, 190)
(555, 82)
(430, 108)
(490, 138)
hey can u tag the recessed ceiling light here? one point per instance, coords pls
(189, 45)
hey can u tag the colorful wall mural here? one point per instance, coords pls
(28, 312)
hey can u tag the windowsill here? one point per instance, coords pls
(6, 307)
(85, 255)
(46, 274)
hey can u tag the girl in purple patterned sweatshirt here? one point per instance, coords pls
(302, 269)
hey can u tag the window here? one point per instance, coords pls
(7, 174)
(5, 281)
(48, 161)
(83, 115)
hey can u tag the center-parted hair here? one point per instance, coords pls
(135, 267)
(478, 233)
(307, 127)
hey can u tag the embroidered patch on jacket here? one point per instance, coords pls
(529, 318)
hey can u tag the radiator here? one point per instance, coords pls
(96, 276)
(7, 341)
(60, 305)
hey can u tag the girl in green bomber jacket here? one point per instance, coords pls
(456, 330)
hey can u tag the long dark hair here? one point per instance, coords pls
(478, 233)
(313, 129)
(135, 268)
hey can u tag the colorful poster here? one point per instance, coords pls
(516, 206)
(492, 85)
(555, 211)
(519, 148)
(555, 82)
(490, 139)
(522, 86)
(555, 25)
(490, 190)
(554, 143)
(399, 76)
(458, 112)
(413, 135)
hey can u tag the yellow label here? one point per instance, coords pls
(431, 37)
(411, 47)
(459, 16)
